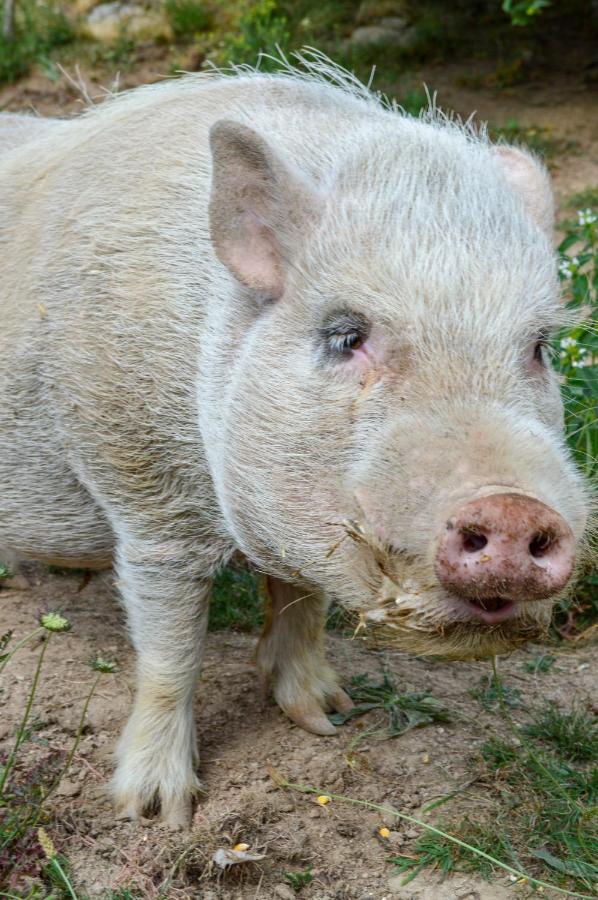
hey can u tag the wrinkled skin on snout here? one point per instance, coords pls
(268, 315)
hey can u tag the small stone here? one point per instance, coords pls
(109, 21)
(395, 837)
(388, 817)
(392, 31)
(370, 10)
(396, 886)
(84, 6)
(284, 892)
(68, 788)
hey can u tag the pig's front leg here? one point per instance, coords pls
(167, 605)
(290, 657)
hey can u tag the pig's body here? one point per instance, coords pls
(151, 406)
(104, 245)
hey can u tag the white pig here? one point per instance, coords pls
(271, 314)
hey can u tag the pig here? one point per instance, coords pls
(273, 315)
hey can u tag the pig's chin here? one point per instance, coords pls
(434, 623)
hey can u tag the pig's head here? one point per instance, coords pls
(391, 426)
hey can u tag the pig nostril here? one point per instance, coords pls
(541, 544)
(473, 540)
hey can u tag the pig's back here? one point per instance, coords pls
(16, 130)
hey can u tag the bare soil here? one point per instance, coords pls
(242, 737)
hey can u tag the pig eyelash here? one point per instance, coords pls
(541, 347)
(345, 333)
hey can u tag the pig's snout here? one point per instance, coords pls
(502, 549)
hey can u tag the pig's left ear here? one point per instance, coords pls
(259, 208)
(530, 180)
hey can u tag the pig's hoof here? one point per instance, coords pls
(155, 782)
(174, 811)
(310, 715)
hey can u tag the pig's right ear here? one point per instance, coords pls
(258, 208)
(530, 180)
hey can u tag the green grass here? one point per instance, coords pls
(120, 52)
(573, 734)
(400, 712)
(188, 18)
(539, 818)
(298, 880)
(541, 663)
(490, 692)
(260, 28)
(236, 603)
(40, 28)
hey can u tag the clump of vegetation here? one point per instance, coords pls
(260, 29)
(541, 814)
(188, 18)
(576, 350)
(541, 663)
(521, 12)
(298, 880)
(31, 31)
(491, 691)
(26, 849)
(588, 198)
(575, 356)
(574, 734)
(400, 711)
(236, 602)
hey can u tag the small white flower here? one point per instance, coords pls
(565, 269)
(586, 217)
(568, 342)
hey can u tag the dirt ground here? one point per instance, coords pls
(241, 734)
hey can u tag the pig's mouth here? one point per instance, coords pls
(491, 610)
(433, 622)
(425, 619)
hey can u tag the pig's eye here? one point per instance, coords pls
(345, 332)
(540, 348)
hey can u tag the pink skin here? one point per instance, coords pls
(492, 617)
(503, 550)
